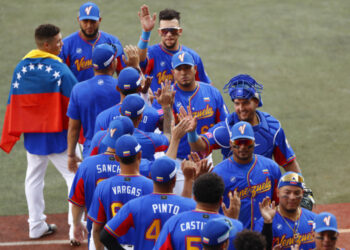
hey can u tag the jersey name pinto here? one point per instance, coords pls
(159, 65)
(183, 231)
(283, 234)
(253, 182)
(77, 53)
(111, 194)
(148, 221)
(206, 104)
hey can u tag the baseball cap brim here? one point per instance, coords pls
(243, 137)
(322, 229)
(95, 18)
(183, 63)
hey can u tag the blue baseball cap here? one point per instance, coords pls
(89, 11)
(129, 78)
(132, 106)
(104, 54)
(242, 130)
(244, 87)
(128, 125)
(291, 179)
(325, 222)
(126, 146)
(217, 230)
(180, 58)
(115, 130)
(163, 169)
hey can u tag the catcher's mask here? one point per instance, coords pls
(244, 87)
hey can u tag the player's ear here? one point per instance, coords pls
(180, 32)
(78, 19)
(172, 71)
(195, 68)
(99, 20)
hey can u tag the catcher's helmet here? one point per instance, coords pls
(244, 87)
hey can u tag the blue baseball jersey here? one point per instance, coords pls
(77, 53)
(183, 231)
(270, 140)
(283, 234)
(159, 65)
(88, 99)
(151, 143)
(253, 182)
(97, 146)
(150, 118)
(90, 172)
(148, 221)
(111, 194)
(206, 104)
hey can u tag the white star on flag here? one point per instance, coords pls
(48, 69)
(31, 66)
(15, 85)
(59, 82)
(24, 69)
(19, 76)
(40, 66)
(56, 74)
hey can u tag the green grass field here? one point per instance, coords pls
(299, 51)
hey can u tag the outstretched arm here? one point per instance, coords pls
(147, 23)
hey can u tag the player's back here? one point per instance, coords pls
(148, 221)
(183, 231)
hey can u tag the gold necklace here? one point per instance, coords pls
(296, 226)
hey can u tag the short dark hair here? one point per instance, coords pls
(250, 240)
(208, 188)
(45, 32)
(128, 160)
(213, 247)
(169, 14)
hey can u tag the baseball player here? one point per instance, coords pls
(111, 194)
(92, 171)
(291, 224)
(36, 107)
(157, 208)
(270, 139)
(205, 102)
(158, 57)
(216, 234)
(90, 97)
(77, 49)
(133, 107)
(183, 230)
(129, 82)
(326, 231)
(252, 176)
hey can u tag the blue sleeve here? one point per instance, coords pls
(202, 75)
(160, 141)
(283, 152)
(73, 108)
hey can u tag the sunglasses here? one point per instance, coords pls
(293, 177)
(173, 31)
(332, 238)
(246, 142)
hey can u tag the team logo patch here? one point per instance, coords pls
(206, 99)
(310, 222)
(162, 63)
(159, 178)
(233, 179)
(279, 226)
(88, 10)
(100, 82)
(78, 51)
(265, 171)
(181, 57)
(205, 240)
(127, 113)
(242, 129)
(327, 220)
(126, 86)
(209, 135)
(126, 153)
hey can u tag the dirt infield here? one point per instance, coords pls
(14, 230)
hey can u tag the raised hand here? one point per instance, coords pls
(235, 206)
(188, 115)
(267, 210)
(166, 94)
(132, 57)
(147, 21)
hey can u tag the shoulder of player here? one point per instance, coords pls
(266, 162)
(70, 38)
(269, 119)
(108, 36)
(191, 51)
(307, 213)
(221, 167)
(208, 87)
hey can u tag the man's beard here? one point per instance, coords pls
(93, 35)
